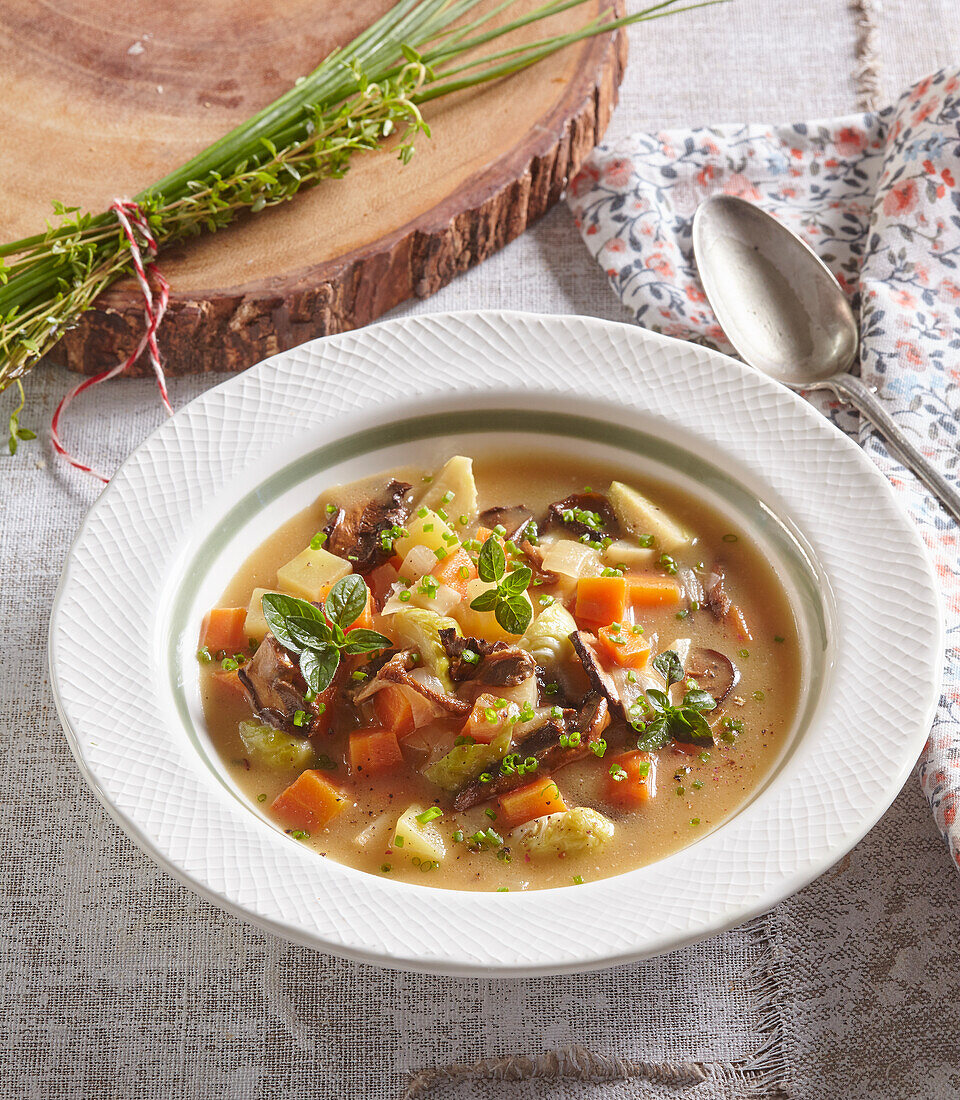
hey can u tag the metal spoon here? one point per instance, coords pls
(784, 312)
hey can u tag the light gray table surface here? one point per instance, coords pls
(118, 982)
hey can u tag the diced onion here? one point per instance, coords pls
(572, 559)
(419, 561)
(443, 601)
(691, 586)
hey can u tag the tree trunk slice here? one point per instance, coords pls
(94, 106)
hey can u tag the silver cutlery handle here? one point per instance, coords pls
(853, 390)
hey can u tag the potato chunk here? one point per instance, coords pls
(483, 624)
(426, 530)
(255, 625)
(310, 572)
(640, 516)
(454, 489)
(417, 839)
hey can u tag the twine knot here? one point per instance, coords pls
(142, 243)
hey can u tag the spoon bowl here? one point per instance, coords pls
(785, 314)
(778, 303)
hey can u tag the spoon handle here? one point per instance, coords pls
(853, 390)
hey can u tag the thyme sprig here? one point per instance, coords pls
(359, 97)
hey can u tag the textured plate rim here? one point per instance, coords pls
(81, 720)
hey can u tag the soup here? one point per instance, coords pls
(510, 673)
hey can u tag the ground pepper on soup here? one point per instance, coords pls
(513, 672)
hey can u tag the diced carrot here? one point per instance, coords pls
(323, 704)
(488, 718)
(393, 709)
(632, 779)
(309, 802)
(222, 629)
(735, 616)
(229, 685)
(456, 570)
(619, 642)
(536, 799)
(651, 591)
(483, 533)
(396, 561)
(373, 751)
(600, 600)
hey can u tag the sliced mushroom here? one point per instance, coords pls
(356, 533)
(549, 745)
(534, 555)
(600, 680)
(720, 604)
(563, 513)
(499, 664)
(514, 519)
(277, 689)
(404, 668)
(713, 671)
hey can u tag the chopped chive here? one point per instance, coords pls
(578, 880)
(298, 717)
(430, 814)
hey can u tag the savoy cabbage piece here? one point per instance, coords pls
(570, 832)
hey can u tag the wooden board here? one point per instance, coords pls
(98, 101)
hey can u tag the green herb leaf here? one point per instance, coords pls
(308, 633)
(319, 667)
(659, 700)
(514, 614)
(515, 583)
(491, 563)
(699, 700)
(655, 735)
(669, 666)
(690, 726)
(277, 608)
(486, 601)
(346, 600)
(365, 641)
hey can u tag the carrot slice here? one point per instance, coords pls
(488, 718)
(653, 592)
(393, 709)
(600, 600)
(456, 570)
(373, 751)
(309, 802)
(536, 799)
(632, 779)
(222, 629)
(619, 642)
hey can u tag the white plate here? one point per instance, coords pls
(186, 508)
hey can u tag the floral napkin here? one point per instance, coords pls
(876, 196)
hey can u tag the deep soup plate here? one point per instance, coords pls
(204, 490)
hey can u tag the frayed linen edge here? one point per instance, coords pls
(763, 1075)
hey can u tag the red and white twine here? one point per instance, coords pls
(132, 222)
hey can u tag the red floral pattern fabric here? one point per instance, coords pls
(876, 196)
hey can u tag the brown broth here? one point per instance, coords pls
(681, 813)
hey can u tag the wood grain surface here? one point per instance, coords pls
(95, 105)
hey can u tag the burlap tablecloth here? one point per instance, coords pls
(118, 982)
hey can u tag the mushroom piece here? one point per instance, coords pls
(720, 604)
(277, 689)
(356, 533)
(564, 512)
(404, 668)
(549, 745)
(499, 665)
(600, 680)
(534, 555)
(713, 671)
(514, 519)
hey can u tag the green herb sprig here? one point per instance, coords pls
(507, 601)
(320, 637)
(683, 722)
(360, 96)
